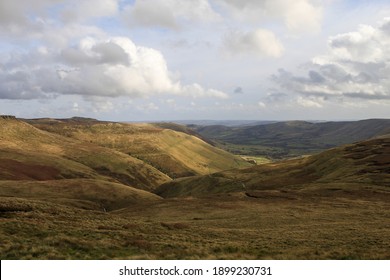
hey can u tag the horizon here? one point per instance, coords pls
(188, 121)
(202, 59)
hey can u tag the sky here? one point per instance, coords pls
(161, 60)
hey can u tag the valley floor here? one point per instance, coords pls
(337, 225)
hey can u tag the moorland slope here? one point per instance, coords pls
(28, 153)
(172, 149)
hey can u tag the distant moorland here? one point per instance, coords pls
(279, 140)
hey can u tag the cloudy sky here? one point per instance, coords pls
(195, 59)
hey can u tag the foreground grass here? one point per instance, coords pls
(220, 227)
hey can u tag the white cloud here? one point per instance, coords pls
(81, 10)
(298, 15)
(103, 106)
(357, 67)
(76, 107)
(170, 103)
(147, 13)
(14, 13)
(29, 18)
(260, 42)
(261, 104)
(11, 12)
(148, 107)
(72, 55)
(365, 45)
(22, 17)
(168, 13)
(308, 102)
(301, 15)
(112, 68)
(31, 23)
(197, 91)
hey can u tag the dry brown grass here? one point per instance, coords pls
(81, 193)
(175, 153)
(219, 227)
(27, 153)
(330, 206)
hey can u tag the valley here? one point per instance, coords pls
(87, 189)
(279, 140)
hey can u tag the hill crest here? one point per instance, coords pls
(53, 156)
(173, 149)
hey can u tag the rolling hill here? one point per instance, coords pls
(76, 193)
(89, 165)
(28, 153)
(355, 167)
(172, 149)
(292, 138)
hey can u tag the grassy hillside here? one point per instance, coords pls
(292, 138)
(337, 226)
(68, 198)
(81, 193)
(364, 165)
(173, 152)
(28, 153)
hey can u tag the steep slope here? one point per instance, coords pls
(294, 138)
(175, 153)
(364, 165)
(27, 153)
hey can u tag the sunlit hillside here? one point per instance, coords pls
(28, 153)
(174, 153)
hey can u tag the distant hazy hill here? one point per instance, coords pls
(292, 138)
(173, 149)
(364, 166)
(224, 122)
